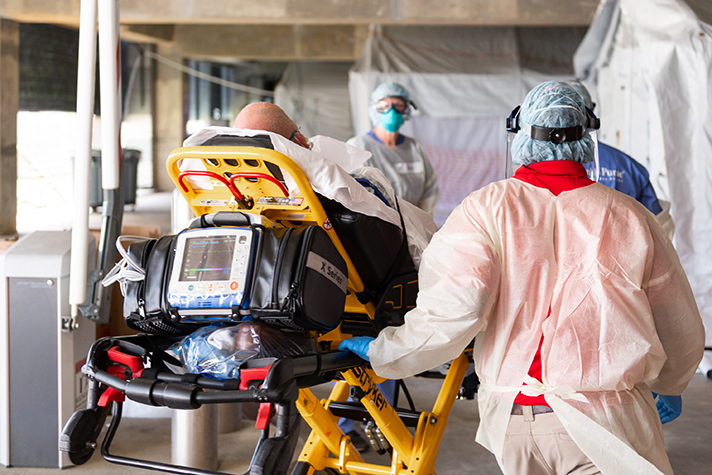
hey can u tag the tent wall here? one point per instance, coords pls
(650, 65)
(315, 95)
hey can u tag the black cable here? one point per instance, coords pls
(407, 394)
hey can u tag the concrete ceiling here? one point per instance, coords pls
(296, 29)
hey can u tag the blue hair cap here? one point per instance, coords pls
(556, 105)
(583, 92)
(389, 89)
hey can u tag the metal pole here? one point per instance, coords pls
(110, 85)
(229, 417)
(86, 72)
(113, 204)
(194, 437)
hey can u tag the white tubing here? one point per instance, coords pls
(110, 86)
(85, 112)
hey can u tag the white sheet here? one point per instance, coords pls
(649, 66)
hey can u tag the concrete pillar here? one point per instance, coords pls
(168, 121)
(9, 103)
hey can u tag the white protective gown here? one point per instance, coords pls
(623, 318)
(407, 168)
(327, 166)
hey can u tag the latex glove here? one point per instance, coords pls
(358, 345)
(669, 407)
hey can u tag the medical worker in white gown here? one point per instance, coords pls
(402, 159)
(578, 301)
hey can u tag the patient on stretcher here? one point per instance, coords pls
(351, 196)
(332, 167)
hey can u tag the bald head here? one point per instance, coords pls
(265, 116)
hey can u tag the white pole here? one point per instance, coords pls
(110, 90)
(85, 112)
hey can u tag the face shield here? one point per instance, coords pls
(592, 126)
(512, 129)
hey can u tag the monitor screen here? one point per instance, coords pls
(207, 258)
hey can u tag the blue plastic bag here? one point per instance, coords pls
(219, 350)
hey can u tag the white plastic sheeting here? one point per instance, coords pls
(648, 64)
(465, 82)
(316, 97)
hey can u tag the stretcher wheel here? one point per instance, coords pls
(79, 436)
(81, 458)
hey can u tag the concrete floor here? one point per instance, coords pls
(688, 439)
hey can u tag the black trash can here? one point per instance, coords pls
(129, 177)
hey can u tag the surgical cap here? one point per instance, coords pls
(384, 90)
(556, 105)
(583, 92)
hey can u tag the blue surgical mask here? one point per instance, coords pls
(391, 120)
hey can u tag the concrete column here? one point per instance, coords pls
(9, 103)
(168, 121)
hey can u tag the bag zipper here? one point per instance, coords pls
(290, 296)
(303, 256)
(140, 300)
(281, 250)
(173, 315)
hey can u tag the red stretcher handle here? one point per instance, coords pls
(263, 176)
(230, 186)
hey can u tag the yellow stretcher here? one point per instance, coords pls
(247, 179)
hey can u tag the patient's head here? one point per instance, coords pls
(269, 117)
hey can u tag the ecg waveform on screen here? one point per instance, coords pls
(208, 259)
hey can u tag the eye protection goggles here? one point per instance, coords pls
(401, 106)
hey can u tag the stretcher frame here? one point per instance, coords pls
(242, 180)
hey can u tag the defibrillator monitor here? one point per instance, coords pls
(212, 270)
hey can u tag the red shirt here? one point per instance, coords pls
(556, 176)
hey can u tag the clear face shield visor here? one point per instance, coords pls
(512, 126)
(595, 173)
(509, 166)
(550, 134)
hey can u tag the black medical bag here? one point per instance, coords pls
(301, 281)
(379, 252)
(298, 281)
(145, 305)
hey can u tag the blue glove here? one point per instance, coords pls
(358, 345)
(669, 407)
